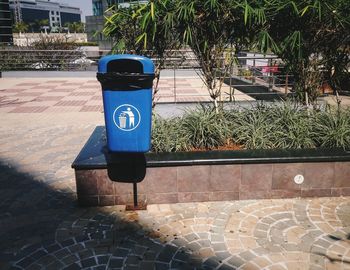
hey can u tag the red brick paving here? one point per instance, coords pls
(12, 90)
(68, 90)
(49, 98)
(31, 109)
(92, 108)
(70, 103)
(83, 96)
(27, 84)
(58, 81)
(76, 94)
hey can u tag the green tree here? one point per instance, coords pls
(123, 26)
(20, 27)
(144, 29)
(308, 35)
(75, 27)
(215, 30)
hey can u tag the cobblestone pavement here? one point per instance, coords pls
(42, 227)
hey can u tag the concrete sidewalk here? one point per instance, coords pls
(42, 227)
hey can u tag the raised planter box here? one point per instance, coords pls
(207, 176)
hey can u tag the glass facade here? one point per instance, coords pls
(5, 23)
(97, 8)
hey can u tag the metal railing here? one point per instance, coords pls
(253, 77)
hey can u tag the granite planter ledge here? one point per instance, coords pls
(105, 179)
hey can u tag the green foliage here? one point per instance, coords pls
(167, 136)
(292, 126)
(332, 129)
(48, 42)
(214, 30)
(309, 35)
(20, 27)
(205, 128)
(286, 126)
(123, 25)
(316, 34)
(253, 129)
(89, 43)
(76, 27)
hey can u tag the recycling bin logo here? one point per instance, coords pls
(126, 117)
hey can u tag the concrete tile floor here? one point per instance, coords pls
(42, 227)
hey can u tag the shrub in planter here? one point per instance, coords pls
(332, 129)
(292, 127)
(167, 135)
(285, 126)
(204, 128)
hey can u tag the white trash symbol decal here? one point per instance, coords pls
(126, 117)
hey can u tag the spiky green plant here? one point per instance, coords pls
(332, 129)
(292, 126)
(166, 136)
(253, 129)
(205, 128)
(283, 126)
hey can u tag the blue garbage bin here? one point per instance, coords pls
(126, 82)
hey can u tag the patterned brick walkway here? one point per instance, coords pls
(42, 227)
(84, 94)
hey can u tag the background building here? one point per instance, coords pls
(33, 11)
(5, 23)
(95, 23)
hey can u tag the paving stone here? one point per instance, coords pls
(219, 247)
(32, 267)
(182, 255)
(217, 238)
(161, 266)
(167, 254)
(211, 262)
(223, 255)
(180, 242)
(38, 254)
(194, 246)
(25, 262)
(226, 267)
(100, 267)
(89, 262)
(103, 259)
(84, 254)
(40, 214)
(121, 252)
(73, 266)
(116, 263)
(70, 259)
(133, 260)
(191, 237)
(55, 265)
(68, 242)
(53, 248)
(204, 243)
(150, 256)
(62, 253)
(236, 261)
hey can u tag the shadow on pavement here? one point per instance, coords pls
(42, 228)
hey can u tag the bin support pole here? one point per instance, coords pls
(135, 194)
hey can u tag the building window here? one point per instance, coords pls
(97, 8)
(53, 19)
(111, 3)
(52, 12)
(57, 13)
